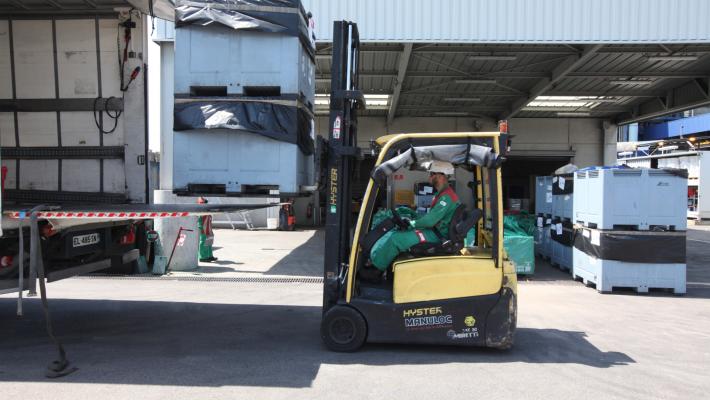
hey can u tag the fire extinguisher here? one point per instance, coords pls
(309, 211)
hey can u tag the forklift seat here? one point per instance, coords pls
(461, 222)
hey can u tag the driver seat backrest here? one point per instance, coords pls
(462, 222)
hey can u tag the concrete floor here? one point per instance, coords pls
(217, 337)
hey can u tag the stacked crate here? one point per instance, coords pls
(561, 229)
(244, 97)
(543, 215)
(631, 228)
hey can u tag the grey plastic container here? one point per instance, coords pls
(543, 242)
(562, 205)
(561, 255)
(217, 56)
(238, 158)
(640, 197)
(543, 195)
(610, 274)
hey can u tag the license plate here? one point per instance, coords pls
(85, 240)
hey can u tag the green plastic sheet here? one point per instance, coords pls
(518, 241)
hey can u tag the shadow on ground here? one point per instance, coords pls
(192, 344)
(304, 260)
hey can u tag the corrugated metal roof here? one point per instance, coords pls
(518, 21)
(499, 76)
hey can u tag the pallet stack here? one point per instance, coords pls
(561, 229)
(543, 216)
(631, 228)
(244, 97)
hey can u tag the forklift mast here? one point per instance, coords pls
(345, 99)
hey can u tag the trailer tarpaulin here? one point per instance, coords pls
(286, 123)
(273, 16)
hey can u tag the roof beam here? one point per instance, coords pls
(606, 93)
(639, 74)
(475, 93)
(19, 4)
(436, 108)
(561, 71)
(702, 85)
(637, 117)
(54, 4)
(531, 75)
(401, 74)
(521, 49)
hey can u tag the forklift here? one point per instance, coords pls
(462, 291)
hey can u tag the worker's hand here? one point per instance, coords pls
(406, 224)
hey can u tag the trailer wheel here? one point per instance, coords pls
(343, 329)
(10, 265)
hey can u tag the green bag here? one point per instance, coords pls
(518, 241)
(521, 251)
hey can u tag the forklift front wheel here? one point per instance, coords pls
(343, 329)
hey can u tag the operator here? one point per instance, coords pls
(428, 228)
(204, 225)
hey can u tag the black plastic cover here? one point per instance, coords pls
(566, 236)
(286, 123)
(274, 16)
(566, 188)
(630, 246)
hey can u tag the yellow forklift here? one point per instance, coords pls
(461, 291)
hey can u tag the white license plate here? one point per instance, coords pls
(85, 240)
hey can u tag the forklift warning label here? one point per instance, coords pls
(426, 318)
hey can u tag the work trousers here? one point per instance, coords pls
(388, 247)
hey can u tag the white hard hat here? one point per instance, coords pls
(441, 167)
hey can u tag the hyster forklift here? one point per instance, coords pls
(461, 291)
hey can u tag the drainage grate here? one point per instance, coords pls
(238, 279)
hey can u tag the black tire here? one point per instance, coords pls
(13, 271)
(343, 329)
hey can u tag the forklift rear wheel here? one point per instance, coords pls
(343, 329)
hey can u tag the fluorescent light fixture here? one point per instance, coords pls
(462, 99)
(372, 101)
(630, 82)
(672, 58)
(492, 57)
(544, 101)
(479, 81)
(573, 114)
(451, 113)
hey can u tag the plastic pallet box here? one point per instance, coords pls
(216, 60)
(542, 236)
(236, 159)
(562, 206)
(561, 255)
(610, 274)
(623, 198)
(543, 195)
(542, 242)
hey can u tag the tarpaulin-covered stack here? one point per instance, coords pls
(631, 228)
(543, 216)
(518, 230)
(244, 96)
(561, 230)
